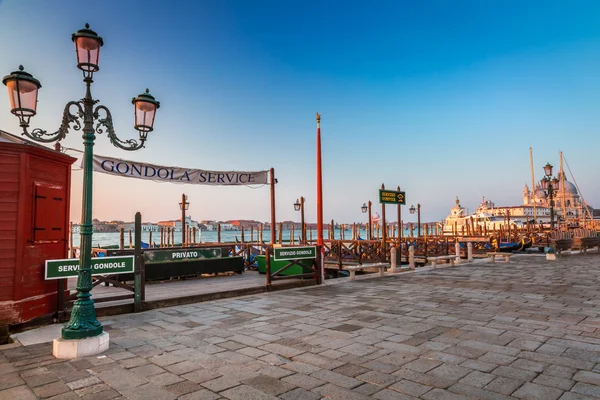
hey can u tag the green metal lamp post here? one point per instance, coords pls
(548, 173)
(299, 206)
(23, 90)
(364, 209)
(412, 210)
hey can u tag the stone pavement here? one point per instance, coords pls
(527, 330)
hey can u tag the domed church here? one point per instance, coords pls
(566, 199)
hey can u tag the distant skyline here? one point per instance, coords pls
(441, 98)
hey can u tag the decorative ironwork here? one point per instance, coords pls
(107, 123)
(68, 118)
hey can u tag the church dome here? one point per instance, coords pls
(570, 189)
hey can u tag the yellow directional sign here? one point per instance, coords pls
(391, 197)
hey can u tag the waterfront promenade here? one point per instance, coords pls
(528, 329)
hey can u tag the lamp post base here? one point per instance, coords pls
(66, 349)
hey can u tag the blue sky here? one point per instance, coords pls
(442, 98)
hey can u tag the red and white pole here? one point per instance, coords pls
(320, 199)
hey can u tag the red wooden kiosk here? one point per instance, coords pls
(35, 183)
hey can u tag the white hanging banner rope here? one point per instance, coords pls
(159, 173)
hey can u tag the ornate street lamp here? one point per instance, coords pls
(548, 173)
(22, 91)
(412, 210)
(364, 209)
(299, 206)
(184, 205)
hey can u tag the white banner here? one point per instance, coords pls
(159, 173)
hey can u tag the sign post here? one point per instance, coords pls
(186, 254)
(392, 197)
(69, 268)
(294, 253)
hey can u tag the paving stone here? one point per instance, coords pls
(269, 385)
(147, 370)
(243, 392)
(220, 384)
(532, 391)
(584, 388)
(387, 394)
(299, 394)
(554, 381)
(148, 392)
(18, 393)
(529, 365)
(559, 370)
(504, 385)
(201, 375)
(495, 358)
(65, 396)
(85, 382)
(440, 394)
(202, 394)
(575, 396)
(337, 379)
(303, 381)
(133, 362)
(587, 377)
(51, 389)
(10, 380)
(182, 388)
(39, 379)
(410, 388)
(367, 389)
(479, 365)
(473, 392)
(301, 367)
(450, 371)
(166, 359)
(334, 392)
(422, 365)
(121, 379)
(477, 379)
(378, 378)
(424, 379)
(514, 373)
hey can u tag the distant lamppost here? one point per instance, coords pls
(299, 206)
(184, 205)
(22, 91)
(364, 209)
(412, 210)
(548, 173)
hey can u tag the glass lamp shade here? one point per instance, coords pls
(412, 209)
(145, 106)
(183, 206)
(548, 169)
(364, 208)
(87, 44)
(297, 205)
(22, 92)
(555, 183)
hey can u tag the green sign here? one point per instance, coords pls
(294, 253)
(391, 197)
(68, 268)
(191, 254)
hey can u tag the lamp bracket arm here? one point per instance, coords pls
(69, 121)
(106, 124)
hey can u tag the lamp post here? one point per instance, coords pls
(299, 206)
(412, 210)
(548, 173)
(364, 209)
(23, 90)
(184, 205)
